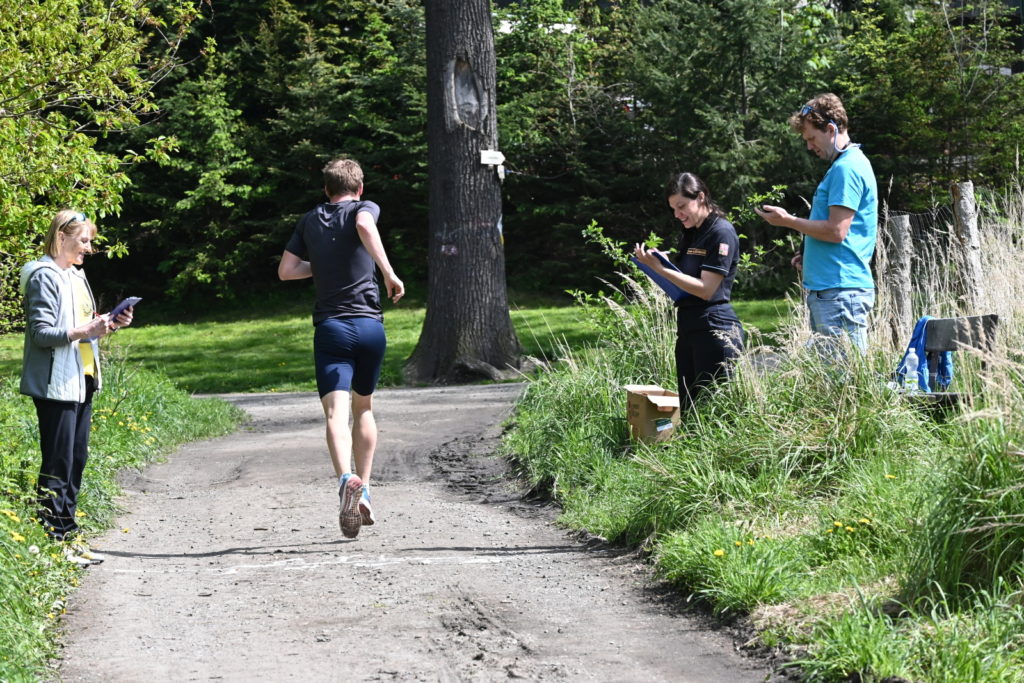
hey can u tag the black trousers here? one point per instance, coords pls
(701, 358)
(64, 441)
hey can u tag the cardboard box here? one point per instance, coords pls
(651, 411)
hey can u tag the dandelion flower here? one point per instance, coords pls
(719, 553)
(890, 476)
(864, 520)
(18, 538)
(850, 528)
(838, 524)
(739, 544)
(828, 531)
(79, 513)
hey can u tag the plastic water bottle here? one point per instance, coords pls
(910, 364)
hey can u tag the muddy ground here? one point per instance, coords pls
(228, 565)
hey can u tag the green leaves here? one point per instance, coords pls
(71, 71)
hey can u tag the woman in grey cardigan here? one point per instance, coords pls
(61, 369)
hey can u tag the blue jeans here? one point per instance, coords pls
(841, 311)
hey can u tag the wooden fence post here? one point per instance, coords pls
(896, 276)
(965, 227)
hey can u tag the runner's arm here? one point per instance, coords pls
(370, 237)
(292, 267)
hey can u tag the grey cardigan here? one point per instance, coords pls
(52, 367)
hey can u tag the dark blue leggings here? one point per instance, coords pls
(348, 353)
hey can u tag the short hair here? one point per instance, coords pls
(820, 111)
(342, 176)
(691, 186)
(69, 223)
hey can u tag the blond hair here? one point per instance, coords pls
(67, 223)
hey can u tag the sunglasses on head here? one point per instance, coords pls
(808, 109)
(77, 217)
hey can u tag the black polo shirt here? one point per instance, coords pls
(712, 246)
(343, 271)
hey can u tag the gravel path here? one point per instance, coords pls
(232, 567)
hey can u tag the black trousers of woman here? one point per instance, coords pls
(702, 357)
(64, 440)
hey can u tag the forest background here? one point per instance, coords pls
(195, 133)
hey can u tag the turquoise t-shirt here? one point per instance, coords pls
(849, 182)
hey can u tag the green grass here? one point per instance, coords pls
(270, 349)
(138, 416)
(867, 537)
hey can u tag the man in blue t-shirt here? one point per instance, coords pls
(338, 245)
(839, 235)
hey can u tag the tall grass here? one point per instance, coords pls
(868, 535)
(138, 416)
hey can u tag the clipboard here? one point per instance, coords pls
(674, 292)
(121, 307)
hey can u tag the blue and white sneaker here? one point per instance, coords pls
(349, 517)
(365, 509)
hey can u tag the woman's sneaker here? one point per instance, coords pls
(349, 517)
(365, 510)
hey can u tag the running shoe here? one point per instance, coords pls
(349, 517)
(365, 510)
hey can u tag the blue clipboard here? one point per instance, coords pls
(673, 291)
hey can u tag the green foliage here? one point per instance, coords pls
(138, 416)
(873, 537)
(597, 103)
(977, 643)
(974, 536)
(289, 86)
(74, 70)
(931, 97)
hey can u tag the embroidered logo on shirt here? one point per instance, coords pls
(696, 252)
(723, 249)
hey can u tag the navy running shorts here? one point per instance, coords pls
(348, 353)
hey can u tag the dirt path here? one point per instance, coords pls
(233, 567)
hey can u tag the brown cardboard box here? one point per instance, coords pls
(652, 412)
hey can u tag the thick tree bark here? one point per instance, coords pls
(467, 333)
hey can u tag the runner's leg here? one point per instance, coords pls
(364, 435)
(339, 439)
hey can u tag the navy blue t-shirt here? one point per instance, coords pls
(713, 246)
(343, 271)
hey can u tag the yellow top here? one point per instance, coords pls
(84, 312)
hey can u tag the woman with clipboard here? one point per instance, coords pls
(709, 334)
(61, 369)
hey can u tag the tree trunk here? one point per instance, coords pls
(897, 241)
(965, 225)
(467, 333)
